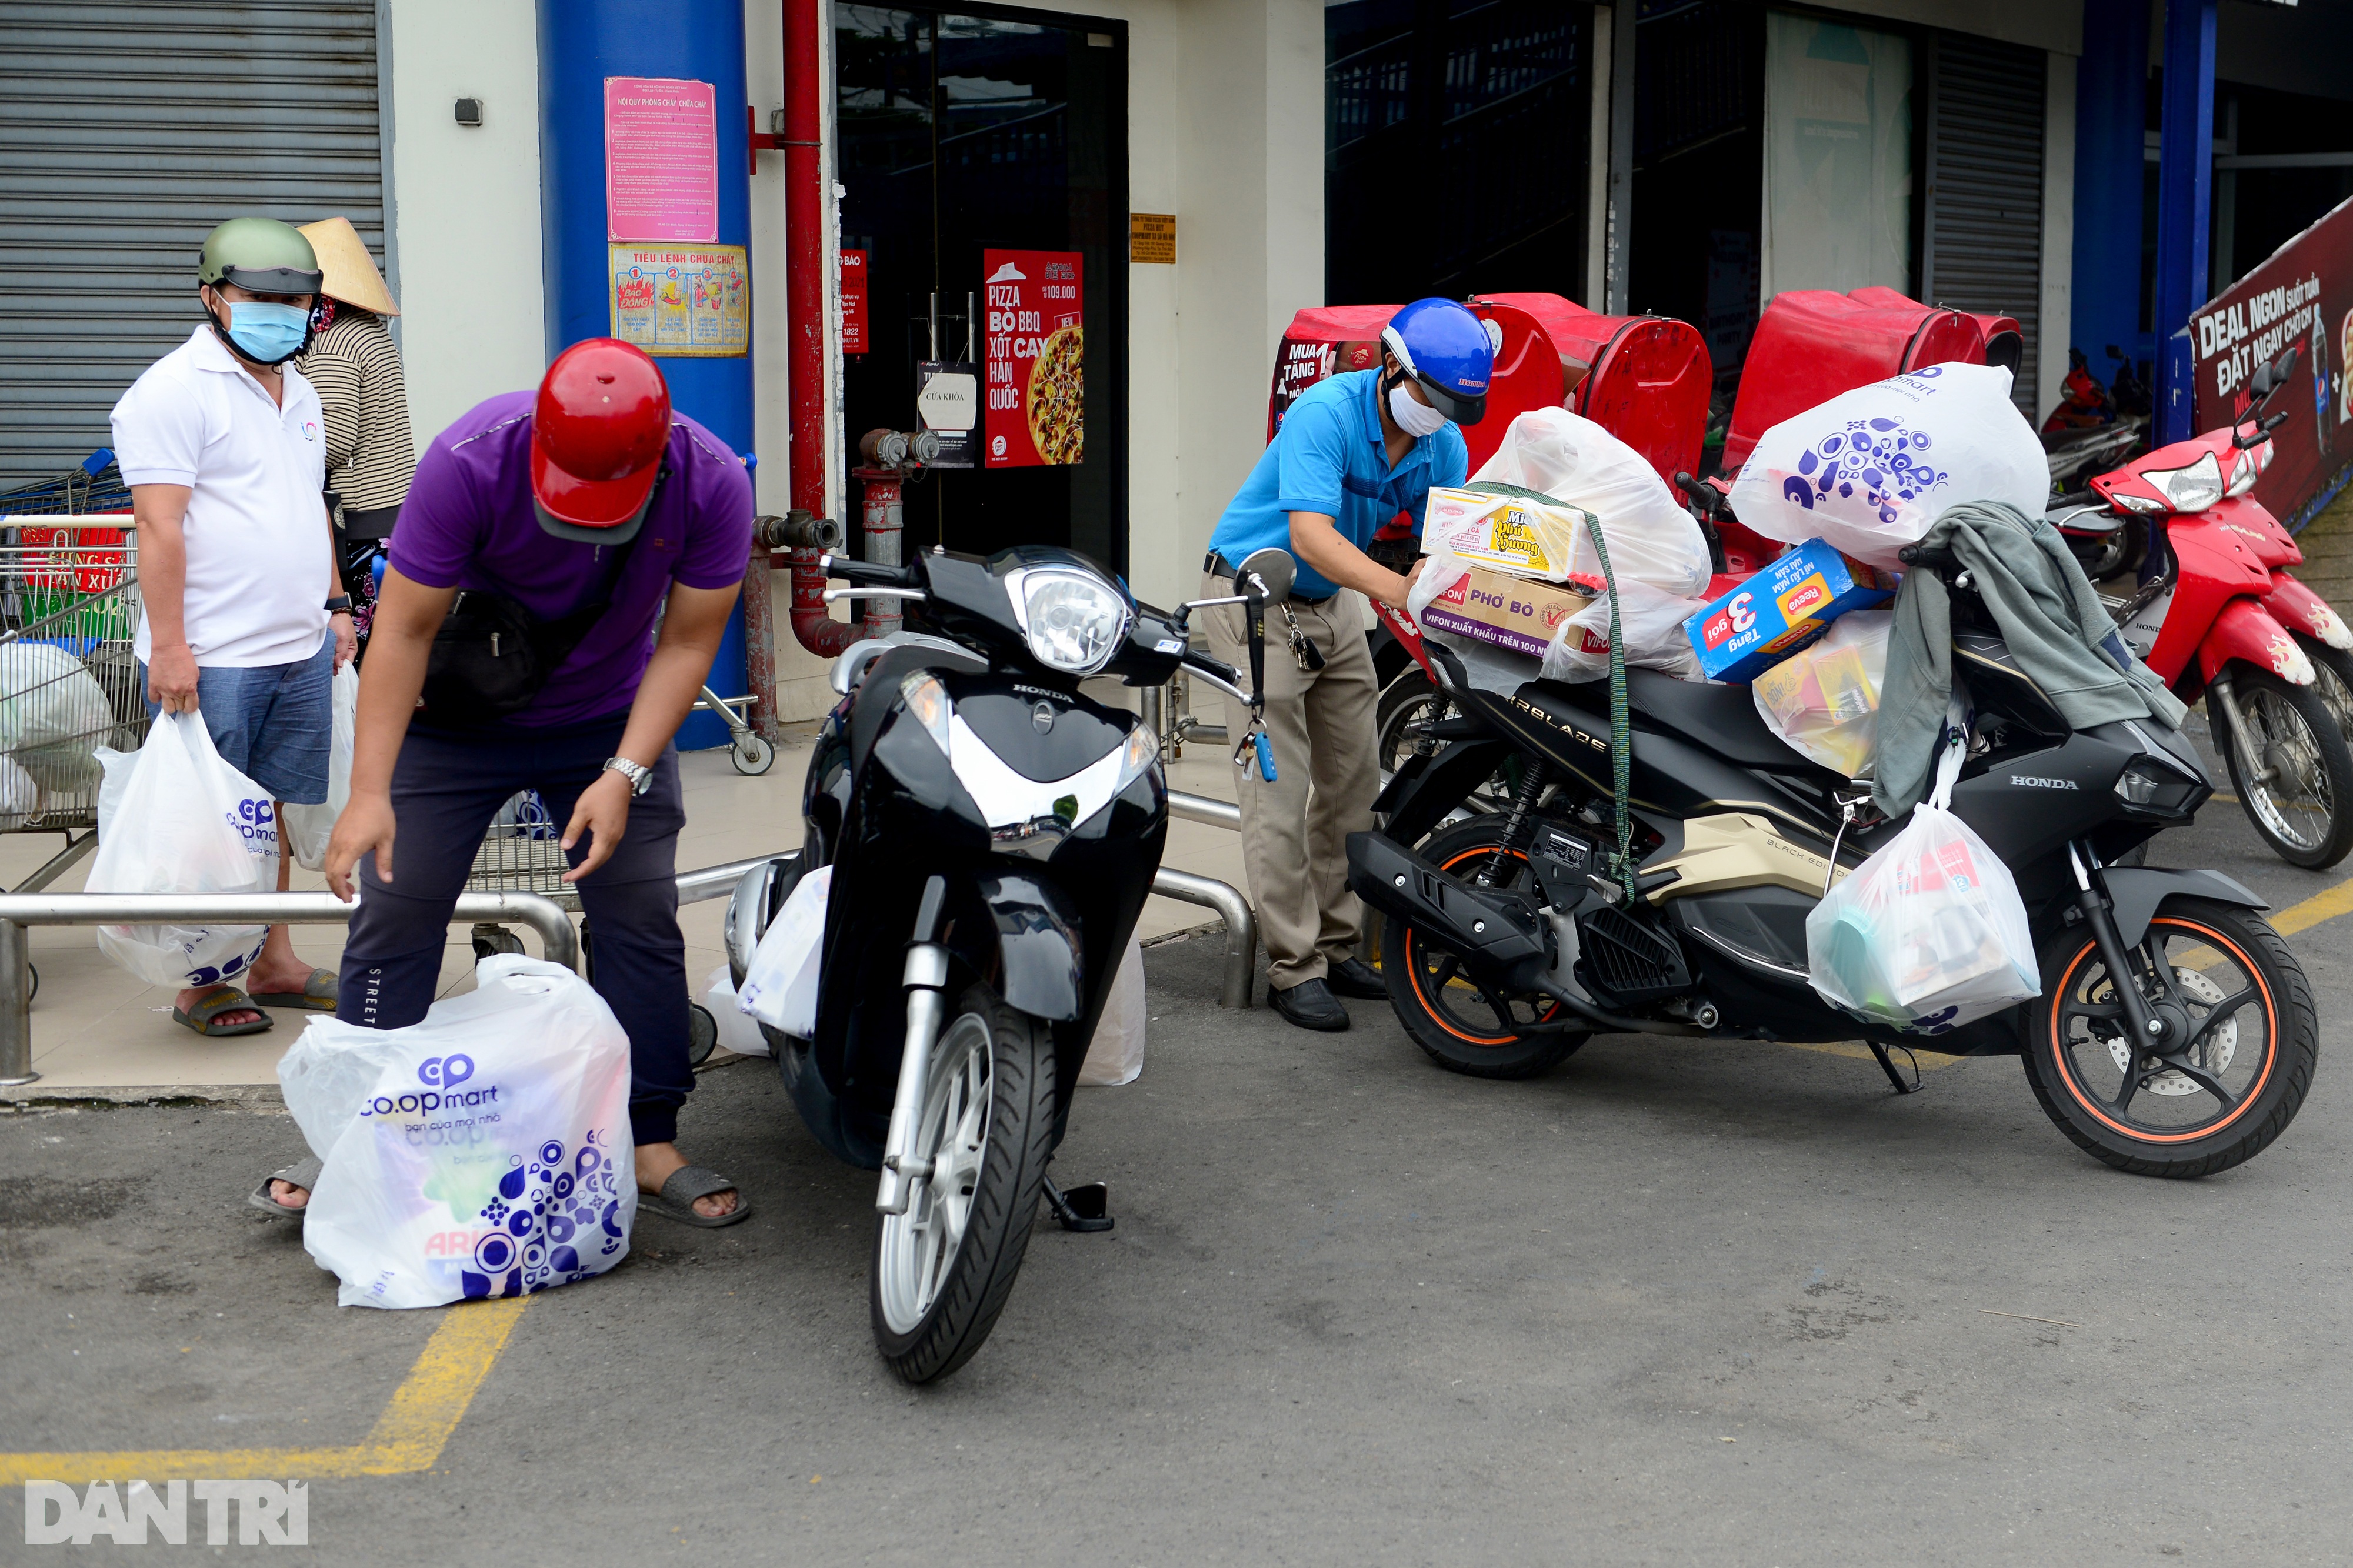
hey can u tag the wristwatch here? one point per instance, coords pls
(640, 779)
(341, 604)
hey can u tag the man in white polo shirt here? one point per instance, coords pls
(221, 441)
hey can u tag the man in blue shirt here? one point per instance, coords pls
(1353, 452)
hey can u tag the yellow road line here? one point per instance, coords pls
(2320, 907)
(407, 1437)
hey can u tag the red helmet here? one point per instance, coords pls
(598, 436)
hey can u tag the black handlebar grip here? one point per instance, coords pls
(872, 573)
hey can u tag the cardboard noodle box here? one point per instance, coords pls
(1503, 611)
(1509, 532)
(1788, 604)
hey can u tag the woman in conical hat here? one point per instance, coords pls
(353, 363)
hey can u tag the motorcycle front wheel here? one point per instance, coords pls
(944, 1269)
(2292, 771)
(2241, 1041)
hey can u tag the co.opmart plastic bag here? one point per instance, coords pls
(1869, 469)
(484, 1151)
(780, 983)
(1652, 539)
(1651, 619)
(1824, 698)
(184, 822)
(307, 827)
(1928, 934)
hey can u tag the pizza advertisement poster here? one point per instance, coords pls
(1036, 358)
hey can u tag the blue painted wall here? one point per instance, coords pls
(582, 42)
(2111, 111)
(2184, 184)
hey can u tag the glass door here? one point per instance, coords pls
(980, 145)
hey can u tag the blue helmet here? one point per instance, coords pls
(1445, 348)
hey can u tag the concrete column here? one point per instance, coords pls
(2111, 85)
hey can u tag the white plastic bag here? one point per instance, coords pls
(185, 822)
(1652, 621)
(737, 1032)
(1651, 538)
(52, 715)
(1115, 1056)
(1823, 700)
(484, 1151)
(1871, 468)
(1928, 934)
(20, 797)
(780, 983)
(307, 827)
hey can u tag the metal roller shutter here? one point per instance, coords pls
(1982, 226)
(127, 130)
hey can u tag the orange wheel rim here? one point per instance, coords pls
(2092, 1106)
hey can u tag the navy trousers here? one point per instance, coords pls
(445, 789)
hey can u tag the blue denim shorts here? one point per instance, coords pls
(272, 722)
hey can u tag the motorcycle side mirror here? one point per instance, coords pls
(1273, 571)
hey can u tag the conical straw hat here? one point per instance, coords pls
(351, 277)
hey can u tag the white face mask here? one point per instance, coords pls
(1413, 417)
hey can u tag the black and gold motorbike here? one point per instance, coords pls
(1517, 926)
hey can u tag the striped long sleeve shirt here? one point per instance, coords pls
(370, 457)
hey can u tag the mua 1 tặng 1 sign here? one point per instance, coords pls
(1035, 385)
(2302, 297)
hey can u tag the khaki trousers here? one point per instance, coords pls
(1295, 830)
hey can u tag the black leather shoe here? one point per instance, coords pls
(1357, 978)
(1310, 1005)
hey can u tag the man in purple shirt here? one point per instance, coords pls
(545, 534)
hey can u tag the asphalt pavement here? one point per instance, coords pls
(1675, 1302)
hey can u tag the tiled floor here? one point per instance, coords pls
(95, 1027)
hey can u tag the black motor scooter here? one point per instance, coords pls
(1676, 903)
(992, 834)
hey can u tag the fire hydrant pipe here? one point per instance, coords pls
(804, 297)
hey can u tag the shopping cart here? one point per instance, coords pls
(524, 853)
(69, 681)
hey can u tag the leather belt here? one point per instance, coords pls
(1217, 566)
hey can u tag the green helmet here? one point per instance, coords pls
(260, 254)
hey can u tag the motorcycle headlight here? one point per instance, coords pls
(2243, 478)
(2193, 488)
(1075, 620)
(928, 704)
(2146, 506)
(2157, 791)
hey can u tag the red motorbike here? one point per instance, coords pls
(2196, 575)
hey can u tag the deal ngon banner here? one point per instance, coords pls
(2301, 298)
(1035, 363)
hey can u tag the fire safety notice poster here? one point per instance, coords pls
(1036, 358)
(688, 300)
(661, 159)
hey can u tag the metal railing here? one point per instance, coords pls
(1241, 927)
(20, 911)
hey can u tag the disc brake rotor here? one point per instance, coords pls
(2214, 1055)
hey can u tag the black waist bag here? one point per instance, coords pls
(492, 654)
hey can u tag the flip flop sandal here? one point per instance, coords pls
(318, 995)
(200, 1017)
(302, 1174)
(688, 1183)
